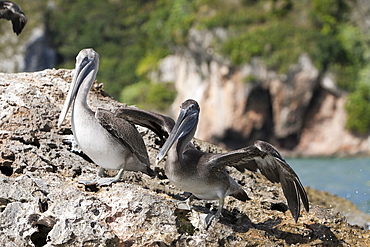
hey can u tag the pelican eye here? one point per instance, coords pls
(85, 61)
(191, 107)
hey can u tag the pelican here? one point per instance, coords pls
(12, 12)
(111, 142)
(204, 175)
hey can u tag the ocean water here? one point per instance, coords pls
(348, 178)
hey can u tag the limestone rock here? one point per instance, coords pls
(41, 203)
(240, 104)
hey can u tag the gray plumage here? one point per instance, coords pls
(125, 132)
(161, 125)
(12, 12)
(204, 175)
(111, 142)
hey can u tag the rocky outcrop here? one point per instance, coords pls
(324, 131)
(301, 111)
(41, 203)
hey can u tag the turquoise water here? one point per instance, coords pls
(348, 178)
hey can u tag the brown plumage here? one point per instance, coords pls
(12, 12)
(161, 125)
(204, 175)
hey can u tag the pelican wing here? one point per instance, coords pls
(159, 124)
(292, 186)
(264, 157)
(12, 12)
(125, 132)
(241, 159)
(19, 22)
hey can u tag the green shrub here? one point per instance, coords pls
(358, 109)
(132, 36)
(150, 62)
(115, 29)
(150, 96)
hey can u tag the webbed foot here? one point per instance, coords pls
(185, 205)
(207, 219)
(88, 182)
(100, 181)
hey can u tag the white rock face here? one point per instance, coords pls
(242, 104)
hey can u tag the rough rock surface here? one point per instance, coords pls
(41, 203)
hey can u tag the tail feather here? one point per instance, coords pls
(241, 195)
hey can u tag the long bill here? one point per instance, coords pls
(185, 123)
(81, 71)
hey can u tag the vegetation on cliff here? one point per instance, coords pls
(133, 36)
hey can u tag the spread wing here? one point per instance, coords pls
(12, 12)
(264, 157)
(161, 125)
(125, 132)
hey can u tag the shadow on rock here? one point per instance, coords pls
(303, 236)
(324, 233)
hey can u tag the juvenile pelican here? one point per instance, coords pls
(204, 175)
(111, 142)
(12, 12)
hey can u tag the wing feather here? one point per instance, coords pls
(292, 195)
(12, 12)
(125, 132)
(265, 157)
(276, 169)
(241, 159)
(19, 22)
(159, 124)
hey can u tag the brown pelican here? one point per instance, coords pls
(204, 175)
(111, 142)
(12, 12)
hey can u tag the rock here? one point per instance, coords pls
(324, 131)
(290, 99)
(353, 215)
(256, 102)
(41, 203)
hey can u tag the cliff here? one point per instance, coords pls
(41, 203)
(301, 111)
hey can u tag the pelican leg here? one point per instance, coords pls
(95, 180)
(103, 181)
(210, 217)
(186, 205)
(108, 181)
